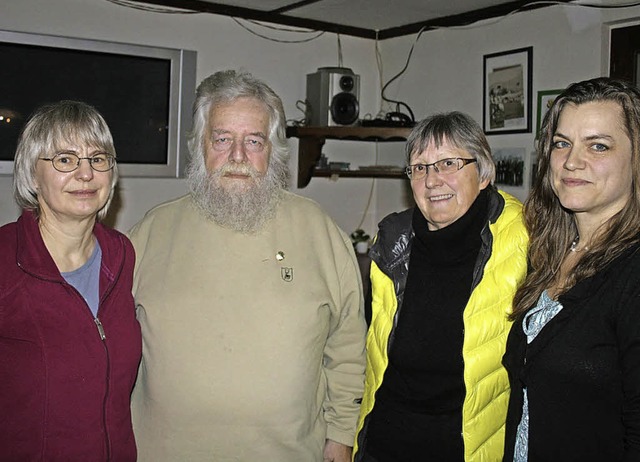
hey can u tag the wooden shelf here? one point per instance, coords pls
(358, 173)
(311, 140)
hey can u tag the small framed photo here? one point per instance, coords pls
(512, 171)
(507, 91)
(545, 100)
(510, 166)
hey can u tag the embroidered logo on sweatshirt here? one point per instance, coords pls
(286, 273)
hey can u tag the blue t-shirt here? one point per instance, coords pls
(86, 279)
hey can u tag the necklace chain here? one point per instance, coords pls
(574, 245)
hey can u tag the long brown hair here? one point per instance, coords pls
(551, 227)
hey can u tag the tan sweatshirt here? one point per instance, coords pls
(253, 345)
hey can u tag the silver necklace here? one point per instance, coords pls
(574, 245)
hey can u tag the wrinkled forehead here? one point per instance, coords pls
(240, 105)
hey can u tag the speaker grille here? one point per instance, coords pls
(344, 108)
(333, 97)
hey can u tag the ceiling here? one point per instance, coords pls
(371, 19)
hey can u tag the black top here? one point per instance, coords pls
(582, 372)
(425, 372)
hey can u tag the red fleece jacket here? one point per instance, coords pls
(64, 390)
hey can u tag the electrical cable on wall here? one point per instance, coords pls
(366, 208)
(317, 33)
(302, 107)
(402, 71)
(371, 190)
(471, 24)
(379, 66)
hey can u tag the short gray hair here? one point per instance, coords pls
(47, 128)
(458, 129)
(226, 86)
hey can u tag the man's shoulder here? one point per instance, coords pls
(170, 206)
(166, 213)
(165, 210)
(295, 203)
(304, 213)
(294, 199)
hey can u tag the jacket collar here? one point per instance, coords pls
(395, 233)
(33, 256)
(392, 245)
(31, 253)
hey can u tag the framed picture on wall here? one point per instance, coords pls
(507, 91)
(510, 166)
(512, 170)
(545, 100)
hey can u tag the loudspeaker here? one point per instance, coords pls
(333, 97)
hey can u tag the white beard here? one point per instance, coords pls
(244, 207)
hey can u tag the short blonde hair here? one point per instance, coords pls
(48, 127)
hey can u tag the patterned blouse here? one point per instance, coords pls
(532, 324)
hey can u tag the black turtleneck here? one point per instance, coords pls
(425, 372)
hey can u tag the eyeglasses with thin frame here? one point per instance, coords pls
(443, 167)
(67, 161)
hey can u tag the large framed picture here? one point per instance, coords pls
(507, 91)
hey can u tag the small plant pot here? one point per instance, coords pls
(362, 247)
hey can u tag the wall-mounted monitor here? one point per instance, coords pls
(144, 93)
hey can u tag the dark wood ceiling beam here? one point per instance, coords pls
(463, 18)
(295, 5)
(276, 17)
(266, 16)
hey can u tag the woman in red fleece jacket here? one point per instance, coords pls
(69, 340)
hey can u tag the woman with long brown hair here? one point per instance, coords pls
(573, 353)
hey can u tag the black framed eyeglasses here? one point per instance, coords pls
(443, 167)
(67, 161)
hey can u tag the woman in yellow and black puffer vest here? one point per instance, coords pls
(443, 276)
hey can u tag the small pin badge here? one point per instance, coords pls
(287, 274)
(280, 255)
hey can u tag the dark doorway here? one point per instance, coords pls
(624, 52)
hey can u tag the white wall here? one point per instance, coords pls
(444, 74)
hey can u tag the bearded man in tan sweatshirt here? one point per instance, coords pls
(249, 298)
